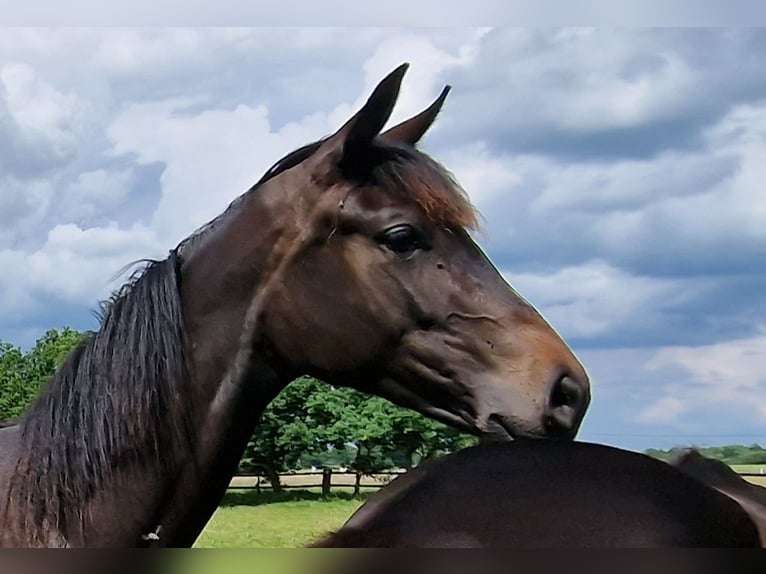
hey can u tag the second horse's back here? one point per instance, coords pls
(527, 494)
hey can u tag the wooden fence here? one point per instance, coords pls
(346, 479)
(314, 479)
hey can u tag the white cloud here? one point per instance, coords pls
(129, 51)
(700, 208)
(587, 81)
(608, 98)
(723, 376)
(484, 176)
(428, 13)
(625, 185)
(423, 80)
(94, 193)
(23, 204)
(74, 265)
(209, 156)
(665, 410)
(596, 299)
(38, 110)
(731, 368)
(640, 403)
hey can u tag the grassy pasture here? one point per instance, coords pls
(754, 468)
(291, 519)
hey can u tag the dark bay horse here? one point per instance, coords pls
(720, 476)
(351, 261)
(562, 494)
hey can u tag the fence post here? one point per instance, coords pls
(326, 481)
(357, 483)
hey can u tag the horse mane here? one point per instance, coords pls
(116, 402)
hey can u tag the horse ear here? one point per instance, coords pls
(366, 124)
(411, 130)
(356, 135)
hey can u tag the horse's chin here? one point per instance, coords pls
(496, 431)
(494, 428)
(402, 395)
(491, 430)
(499, 429)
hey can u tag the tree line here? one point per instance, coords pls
(730, 454)
(309, 424)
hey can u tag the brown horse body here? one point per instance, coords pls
(350, 261)
(527, 495)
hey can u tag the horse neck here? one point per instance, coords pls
(235, 373)
(223, 434)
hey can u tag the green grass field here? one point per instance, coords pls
(756, 468)
(292, 519)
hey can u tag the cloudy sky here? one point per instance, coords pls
(620, 174)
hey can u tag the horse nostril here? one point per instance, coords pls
(567, 404)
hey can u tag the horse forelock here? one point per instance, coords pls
(408, 171)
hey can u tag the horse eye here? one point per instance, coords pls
(402, 239)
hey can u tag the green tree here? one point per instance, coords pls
(366, 425)
(50, 352)
(373, 435)
(417, 438)
(327, 456)
(22, 374)
(314, 424)
(383, 435)
(284, 433)
(16, 391)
